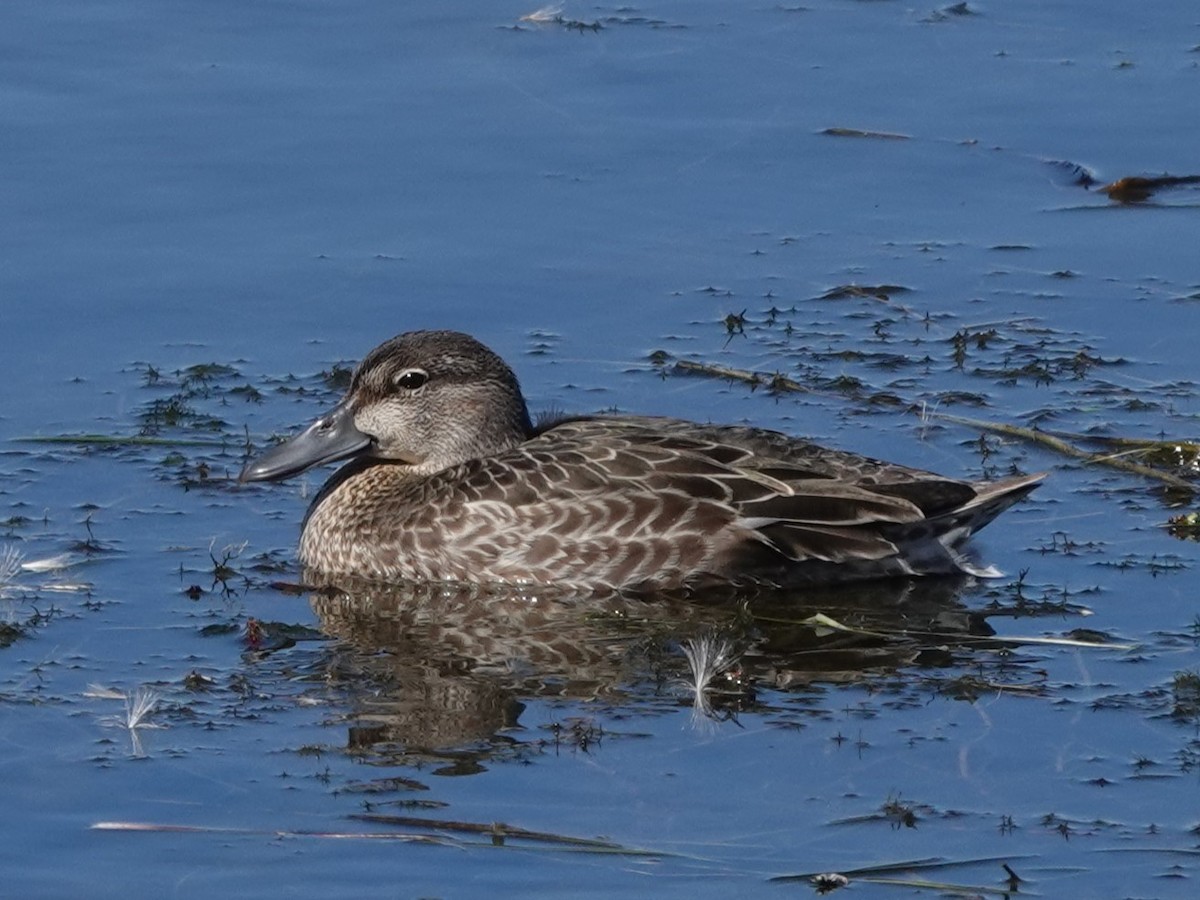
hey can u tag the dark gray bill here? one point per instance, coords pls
(330, 438)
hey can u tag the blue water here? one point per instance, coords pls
(279, 186)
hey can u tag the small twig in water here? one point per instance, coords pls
(1059, 445)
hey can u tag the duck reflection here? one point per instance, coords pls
(434, 667)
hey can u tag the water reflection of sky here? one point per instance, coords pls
(280, 186)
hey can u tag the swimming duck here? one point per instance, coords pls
(449, 480)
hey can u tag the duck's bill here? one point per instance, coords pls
(330, 438)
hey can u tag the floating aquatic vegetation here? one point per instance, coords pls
(1155, 564)
(775, 382)
(1185, 526)
(501, 833)
(1185, 693)
(553, 15)
(176, 412)
(953, 11)
(1139, 189)
(1077, 175)
(203, 450)
(873, 292)
(140, 705)
(494, 834)
(1182, 456)
(267, 637)
(11, 564)
(18, 593)
(222, 571)
(386, 785)
(902, 874)
(735, 323)
(18, 615)
(577, 733)
(182, 408)
(337, 377)
(1015, 353)
(547, 14)
(865, 133)
(1060, 443)
(247, 392)
(709, 656)
(54, 563)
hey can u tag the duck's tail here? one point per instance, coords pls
(953, 528)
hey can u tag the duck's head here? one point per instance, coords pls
(426, 399)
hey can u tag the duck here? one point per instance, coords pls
(446, 478)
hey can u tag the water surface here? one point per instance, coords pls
(277, 187)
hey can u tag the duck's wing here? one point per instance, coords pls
(626, 501)
(776, 502)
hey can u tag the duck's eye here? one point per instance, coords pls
(411, 379)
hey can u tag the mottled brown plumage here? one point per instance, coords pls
(451, 482)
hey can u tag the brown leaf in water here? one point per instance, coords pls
(1138, 189)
